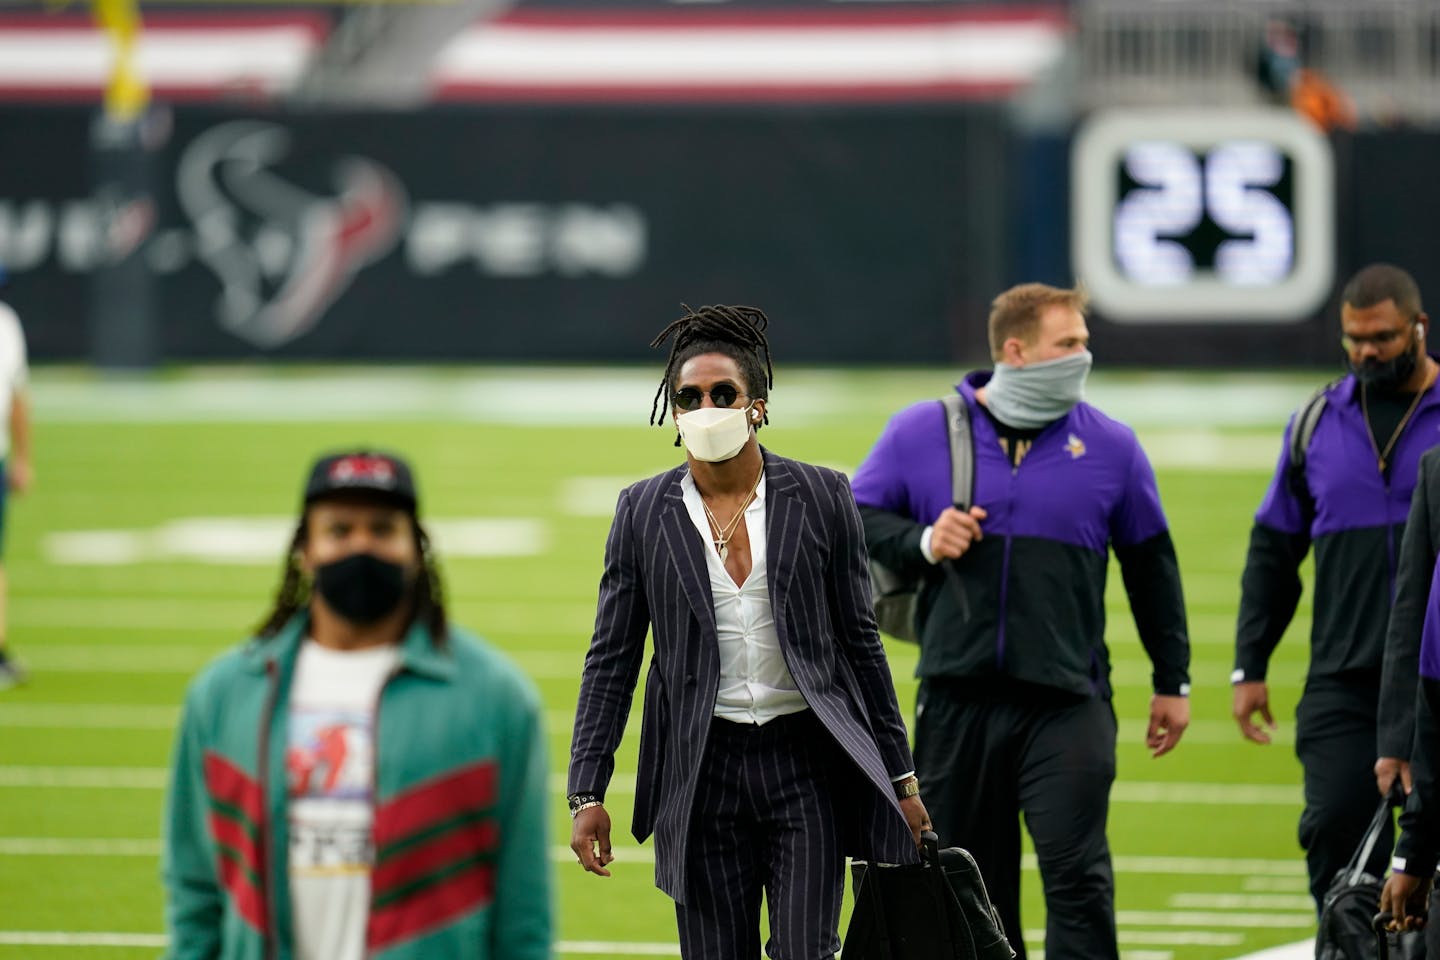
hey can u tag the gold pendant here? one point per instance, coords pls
(724, 552)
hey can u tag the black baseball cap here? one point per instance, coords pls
(369, 470)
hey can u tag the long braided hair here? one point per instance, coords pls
(294, 592)
(735, 331)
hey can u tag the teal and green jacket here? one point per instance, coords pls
(460, 808)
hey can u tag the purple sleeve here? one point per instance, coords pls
(1280, 510)
(1139, 516)
(1430, 635)
(878, 481)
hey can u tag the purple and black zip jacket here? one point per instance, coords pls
(1354, 515)
(1027, 601)
(1418, 846)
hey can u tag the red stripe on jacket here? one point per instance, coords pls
(473, 839)
(432, 907)
(434, 802)
(229, 785)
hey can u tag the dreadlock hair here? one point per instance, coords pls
(294, 592)
(735, 331)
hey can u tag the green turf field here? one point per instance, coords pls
(153, 540)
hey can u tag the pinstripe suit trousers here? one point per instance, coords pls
(765, 819)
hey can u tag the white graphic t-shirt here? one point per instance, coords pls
(329, 762)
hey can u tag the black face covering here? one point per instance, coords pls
(1389, 376)
(362, 588)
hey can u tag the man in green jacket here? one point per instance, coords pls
(360, 780)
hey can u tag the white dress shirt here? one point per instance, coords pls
(755, 684)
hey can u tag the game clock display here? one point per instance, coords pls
(1200, 215)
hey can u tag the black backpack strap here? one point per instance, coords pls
(962, 451)
(1307, 418)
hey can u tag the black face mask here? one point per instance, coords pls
(362, 588)
(1389, 376)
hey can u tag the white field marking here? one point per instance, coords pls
(1173, 866)
(143, 778)
(234, 619)
(1199, 866)
(87, 716)
(1161, 938)
(592, 496)
(103, 778)
(607, 949)
(1242, 901)
(117, 658)
(1208, 794)
(1296, 884)
(543, 396)
(1300, 950)
(1178, 938)
(1038, 953)
(77, 847)
(46, 938)
(262, 540)
(178, 658)
(138, 613)
(1211, 918)
(1211, 450)
(1203, 731)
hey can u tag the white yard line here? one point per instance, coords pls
(543, 396)
(1212, 918)
(186, 660)
(1242, 901)
(1300, 950)
(77, 847)
(1215, 794)
(48, 938)
(87, 716)
(1172, 866)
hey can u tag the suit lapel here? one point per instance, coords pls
(685, 546)
(784, 520)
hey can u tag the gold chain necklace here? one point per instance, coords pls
(723, 534)
(1380, 455)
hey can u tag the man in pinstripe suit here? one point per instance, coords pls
(771, 744)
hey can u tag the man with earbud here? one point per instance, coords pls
(771, 745)
(1344, 482)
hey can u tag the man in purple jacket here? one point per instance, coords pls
(1014, 710)
(1348, 493)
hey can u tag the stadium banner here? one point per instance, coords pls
(465, 234)
(871, 234)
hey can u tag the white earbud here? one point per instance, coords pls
(754, 414)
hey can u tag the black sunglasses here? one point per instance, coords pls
(690, 398)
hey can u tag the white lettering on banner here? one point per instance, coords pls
(523, 240)
(503, 240)
(25, 232)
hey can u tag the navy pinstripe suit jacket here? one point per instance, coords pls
(655, 579)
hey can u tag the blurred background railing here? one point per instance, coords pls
(1384, 53)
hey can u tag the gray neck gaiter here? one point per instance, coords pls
(1031, 396)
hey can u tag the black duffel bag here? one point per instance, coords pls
(937, 909)
(1349, 926)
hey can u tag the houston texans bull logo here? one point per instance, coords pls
(282, 253)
